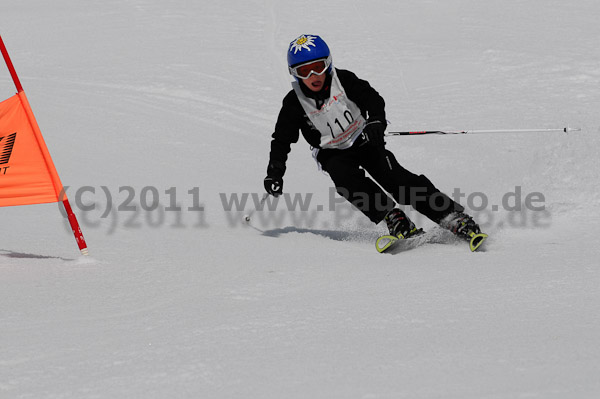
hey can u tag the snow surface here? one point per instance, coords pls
(137, 94)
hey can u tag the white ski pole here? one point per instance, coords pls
(417, 133)
(248, 216)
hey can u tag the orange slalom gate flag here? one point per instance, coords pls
(27, 173)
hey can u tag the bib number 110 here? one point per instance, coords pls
(349, 118)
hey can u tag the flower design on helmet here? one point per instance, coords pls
(303, 42)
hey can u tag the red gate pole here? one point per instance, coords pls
(70, 215)
(75, 227)
(10, 66)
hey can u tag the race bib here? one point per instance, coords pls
(339, 120)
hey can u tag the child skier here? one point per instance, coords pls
(343, 118)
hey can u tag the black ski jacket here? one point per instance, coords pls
(292, 119)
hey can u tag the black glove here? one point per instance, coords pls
(373, 133)
(274, 180)
(274, 185)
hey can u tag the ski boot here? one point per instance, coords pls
(400, 225)
(465, 227)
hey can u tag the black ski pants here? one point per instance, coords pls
(390, 183)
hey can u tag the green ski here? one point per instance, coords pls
(392, 244)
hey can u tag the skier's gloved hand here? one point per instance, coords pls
(373, 133)
(274, 185)
(274, 180)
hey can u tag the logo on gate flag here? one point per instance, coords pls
(6, 147)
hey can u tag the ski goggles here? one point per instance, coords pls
(318, 67)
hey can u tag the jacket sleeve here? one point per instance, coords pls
(364, 95)
(287, 132)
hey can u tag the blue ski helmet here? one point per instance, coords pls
(307, 48)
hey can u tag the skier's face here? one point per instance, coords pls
(315, 82)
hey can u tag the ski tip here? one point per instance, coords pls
(384, 242)
(477, 241)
